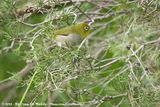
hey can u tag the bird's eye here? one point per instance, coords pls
(86, 28)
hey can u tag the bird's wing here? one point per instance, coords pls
(64, 31)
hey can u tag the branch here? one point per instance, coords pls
(9, 48)
(152, 42)
(103, 99)
(50, 88)
(83, 12)
(24, 72)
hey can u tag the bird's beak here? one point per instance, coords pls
(92, 29)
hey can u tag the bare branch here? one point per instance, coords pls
(50, 88)
(24, 72)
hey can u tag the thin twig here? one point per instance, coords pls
(140, 62)
(105, 98)
(131, 69)
(7, 49)
(83, 12)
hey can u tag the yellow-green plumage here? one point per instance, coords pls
(72, 35)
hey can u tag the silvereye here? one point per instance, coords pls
(72, 35)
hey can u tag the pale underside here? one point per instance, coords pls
(69, 40)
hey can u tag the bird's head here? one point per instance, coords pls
(83, 29)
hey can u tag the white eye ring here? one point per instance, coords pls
(86, 28)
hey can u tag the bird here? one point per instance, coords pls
(72, 35)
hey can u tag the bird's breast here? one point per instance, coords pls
(71, 39)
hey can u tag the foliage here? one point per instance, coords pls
(118, 65)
